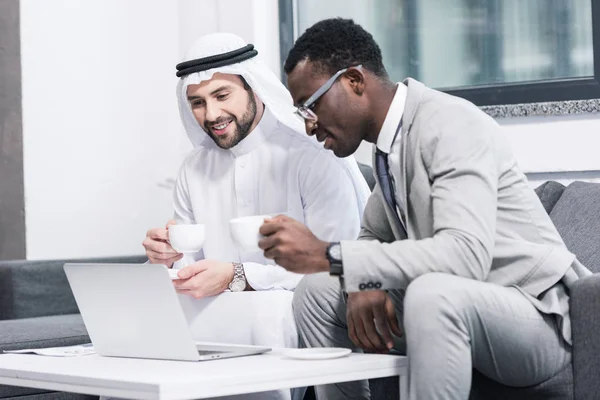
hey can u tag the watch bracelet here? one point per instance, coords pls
(238, 271)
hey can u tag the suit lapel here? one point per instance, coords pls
(404, 197)
(413, 98)
(415, 91)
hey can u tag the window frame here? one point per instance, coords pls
(551, 90)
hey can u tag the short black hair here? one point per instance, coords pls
(336, 43)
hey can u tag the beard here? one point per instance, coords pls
(242, 126)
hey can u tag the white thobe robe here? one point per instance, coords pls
(273, 170)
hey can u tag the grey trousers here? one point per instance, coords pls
(451, 325)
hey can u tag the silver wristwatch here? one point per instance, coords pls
(238, 283)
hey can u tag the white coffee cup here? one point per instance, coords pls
(244, 231)
(187, 238)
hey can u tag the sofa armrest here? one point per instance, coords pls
(585, 324)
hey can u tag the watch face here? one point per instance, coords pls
(238, 285)
(335, 251)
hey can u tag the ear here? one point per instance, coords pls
(356, 80)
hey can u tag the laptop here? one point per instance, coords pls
(132, 310)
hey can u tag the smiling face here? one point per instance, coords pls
(343, 120)
(225, 107)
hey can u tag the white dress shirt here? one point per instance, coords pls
(390, 137)
(273, 170)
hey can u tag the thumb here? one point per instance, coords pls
(191, 270)
(395, 327)
(391, 316)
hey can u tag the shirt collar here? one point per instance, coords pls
(265, 128)
(392, 119)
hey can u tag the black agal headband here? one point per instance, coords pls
(219, 60)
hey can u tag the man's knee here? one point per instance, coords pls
(314, 292)
(432, 295)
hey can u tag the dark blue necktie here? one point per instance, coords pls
(382, 170)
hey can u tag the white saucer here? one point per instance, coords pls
(317, 353)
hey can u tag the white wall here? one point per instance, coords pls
(256, 21)
(562, 148)
(101, 135)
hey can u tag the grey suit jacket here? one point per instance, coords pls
(469, 211)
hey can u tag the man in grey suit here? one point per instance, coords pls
(457, 263)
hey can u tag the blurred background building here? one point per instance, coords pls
(454, 43)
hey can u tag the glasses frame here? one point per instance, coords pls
(305, 110)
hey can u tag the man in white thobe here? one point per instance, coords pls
(250, 157)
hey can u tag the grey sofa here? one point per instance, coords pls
(37, 309)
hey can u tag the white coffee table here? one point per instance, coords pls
(155, 379)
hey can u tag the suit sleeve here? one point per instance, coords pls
(460, 160)
(375, 225)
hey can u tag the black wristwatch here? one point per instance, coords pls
(334, 256)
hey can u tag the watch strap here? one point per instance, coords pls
(336, 266)
(238, 273)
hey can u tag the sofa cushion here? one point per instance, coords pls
(549, 193)
(59, 330)
(576, 215)
(40, 288)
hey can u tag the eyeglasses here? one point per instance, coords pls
(305, 110)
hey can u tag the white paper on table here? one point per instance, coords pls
(67, 351)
